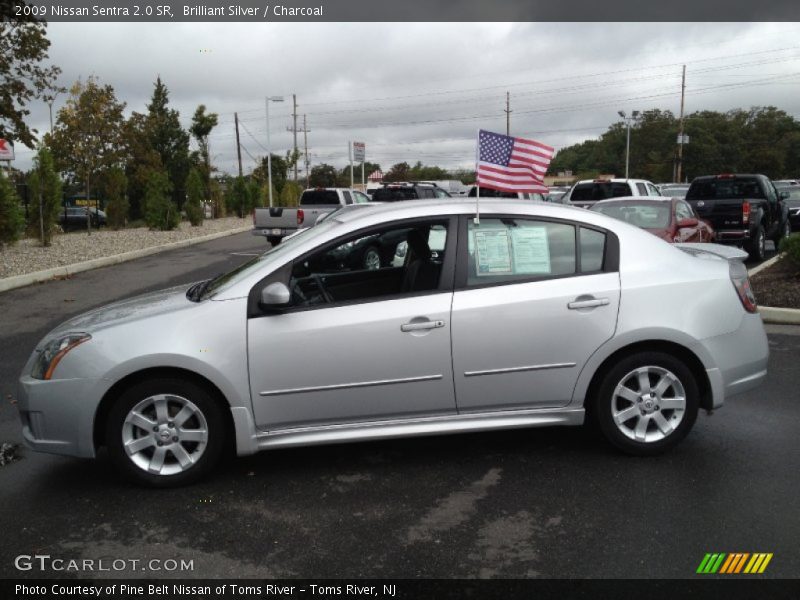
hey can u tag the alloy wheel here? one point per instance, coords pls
(648, 404)
(372, 259)
(165, 434)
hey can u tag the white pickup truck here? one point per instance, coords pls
(278, 222)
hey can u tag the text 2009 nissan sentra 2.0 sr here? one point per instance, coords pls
(534, 315)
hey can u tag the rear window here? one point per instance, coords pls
(393, 194)
(487, 193)
(314, 197)
(599, 191)
(733, 188)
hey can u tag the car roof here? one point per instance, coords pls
(613, 180)
(630, 199)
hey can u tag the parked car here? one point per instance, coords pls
(793, 205)
(74, 217)
(744, 209)
(517, 322)
(674, 190)
(671, 219)
(490, 193)
(408, 190)
(275, 223)
(588, 191)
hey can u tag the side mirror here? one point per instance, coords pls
(783, 195)
(687, 223)
(275, 295)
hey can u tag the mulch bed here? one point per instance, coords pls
(778, 286)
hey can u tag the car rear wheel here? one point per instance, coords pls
(757, 248)
(783, 232)
(165, 432)
(647, 403)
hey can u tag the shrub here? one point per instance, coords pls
(115, 185)
(290, 194)
(45, 193)
(160, 211)
(195, 195)
(791, 246)
(11, 219)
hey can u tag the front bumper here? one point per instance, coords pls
(741, 358)
(58, 415)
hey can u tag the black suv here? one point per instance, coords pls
(393, 192)
(745, 210)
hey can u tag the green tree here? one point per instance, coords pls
(11, 218)
(166, 136)
(237, 199)
(23, 47)
(44, 187)
(322, 175)
(88, 136)
(160, 212)
(114, 185)
(280, 173)
(254, 195)
(398, 172)
(290, 195)
(201, 127)
(217, 199)
(194, 197)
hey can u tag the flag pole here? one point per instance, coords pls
(477, 219)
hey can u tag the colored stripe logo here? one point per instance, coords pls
(734, 563)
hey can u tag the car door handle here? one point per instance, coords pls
(422, 325)
(588, 303)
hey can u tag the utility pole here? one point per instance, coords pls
(680, 135)
(508, 113)
(238, 145)
(294, 131)
(305, 144)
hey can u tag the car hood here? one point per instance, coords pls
(140, 307)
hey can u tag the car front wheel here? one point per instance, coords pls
(647, 403)
(165, 432)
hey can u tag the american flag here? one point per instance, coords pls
(512, 164)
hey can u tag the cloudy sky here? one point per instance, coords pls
(421, 91)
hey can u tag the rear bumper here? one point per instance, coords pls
(273, 232)
(732, 235)
(741, 359)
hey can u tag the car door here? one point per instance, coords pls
(373, 351)
(534, 299)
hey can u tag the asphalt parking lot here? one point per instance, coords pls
(528, 503)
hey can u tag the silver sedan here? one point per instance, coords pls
(531, 315)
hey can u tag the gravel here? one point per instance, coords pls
(27, 256)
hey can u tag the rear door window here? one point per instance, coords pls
(642, 188)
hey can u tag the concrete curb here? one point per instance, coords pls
(764, 265)
(18, 281)
(780, 316)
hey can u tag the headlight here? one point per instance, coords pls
(53, 352)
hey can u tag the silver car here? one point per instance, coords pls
(533, 315)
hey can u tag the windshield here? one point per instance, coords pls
(241, 272)
(646, 216)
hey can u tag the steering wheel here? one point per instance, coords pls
(322, 289)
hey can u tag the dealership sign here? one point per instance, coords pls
(6, 150)
(359, 151)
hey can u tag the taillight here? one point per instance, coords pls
(745, 212)
(741, 282)
(300, 216)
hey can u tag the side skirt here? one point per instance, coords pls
(440, 425)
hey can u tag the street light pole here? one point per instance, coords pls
(628, 120)
(269, 148)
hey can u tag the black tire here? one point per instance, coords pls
(207, 457)
(608, 401)
(371, 258)
(274, 240)
(784, 231)
(756, 247)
